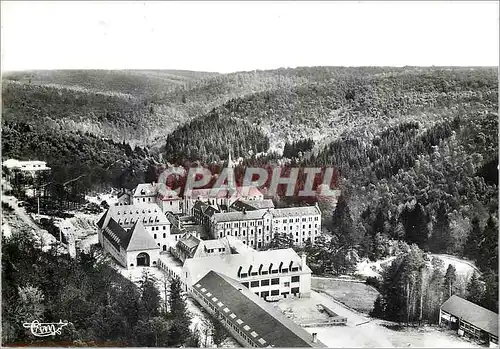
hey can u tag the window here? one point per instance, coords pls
(243, 275)
(296, 278)
(275, 281)
(254, 284)
(155, 236)
(275, 292)
(245, 284)
(264, 294)
(164, 228)
(295, 290)
(264, 282)
(287, 284)
(164, 235)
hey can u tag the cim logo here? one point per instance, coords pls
(46, 329)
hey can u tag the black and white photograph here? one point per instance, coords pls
(267, 174)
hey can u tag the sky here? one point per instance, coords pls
(239, 36)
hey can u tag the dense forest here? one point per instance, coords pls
(415, 152)
(102, 307)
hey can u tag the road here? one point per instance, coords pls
(20, 211)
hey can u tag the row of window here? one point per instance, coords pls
(164, 236)
(264, 294)
(222, 317)
(136, 211)
(265, 272)
(291, 220)
(303, 227)
(158, 228)
(265, 282)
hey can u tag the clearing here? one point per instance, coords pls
(355, 294)
(362, 331)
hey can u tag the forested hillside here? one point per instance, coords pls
(416, 149)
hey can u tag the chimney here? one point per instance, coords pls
(303, 258)
(315, 337)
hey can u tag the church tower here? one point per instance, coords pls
(231, 183)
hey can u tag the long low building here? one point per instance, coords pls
(470, 320)
(250, 320)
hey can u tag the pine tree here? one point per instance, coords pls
(490, 296)
(473, 241)
(441, 234)
(415, 223)
(488, 248)
(179, 332)
(150, 296)
(379, 306)
(474, 289)
(450, 280)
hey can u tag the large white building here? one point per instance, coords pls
(130, 247)
(149, 215)
(29, 166)
(257, 226)
(268, 274)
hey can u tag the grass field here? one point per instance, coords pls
(355, 295)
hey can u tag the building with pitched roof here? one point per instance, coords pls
(470, 320)
(129, 247)
(271, 274)
(251, 321)
(190, 246)
(151, 217)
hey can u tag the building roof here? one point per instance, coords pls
(251, 205)
(472, 313)
(296, 211)
(148, 214)
(100, 222)
(145, 189)
(140, 239)
(230, 264)
(224, 192)
(190, 242)
(116, 235)
(238, 215)
(259, 320)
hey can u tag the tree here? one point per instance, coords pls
(415, 223)
(450, 280)
(488, 248)
(440, 240)
(150, 296)
(473, 240)
(342, 224)
(474, 289)
(490, 295)
(279, 241)
(379, 306)
(179, 332)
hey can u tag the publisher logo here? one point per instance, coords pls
(39, 329)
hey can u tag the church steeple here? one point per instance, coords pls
(230, 161)
(230, 172)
